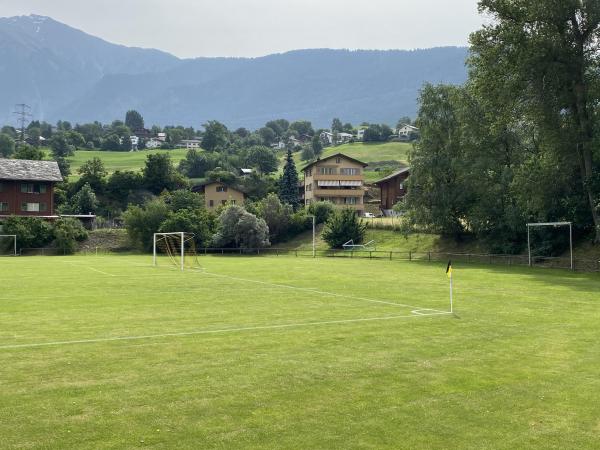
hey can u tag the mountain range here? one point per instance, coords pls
(64, 73)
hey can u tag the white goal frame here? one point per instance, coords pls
(14, 236)
(555, 225)
(183, 239)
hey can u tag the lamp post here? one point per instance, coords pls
(313, 235)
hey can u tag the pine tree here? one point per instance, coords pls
(288, 183)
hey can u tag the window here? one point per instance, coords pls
(32, 207)
(211, 203)
(326, 170)
(221, 188)
(309, 173)
(223, 202)
(309, 187)
(32, 188)
(1, 187)
(3, 207)
(337, 160)
(350, 171)
(350, 200)
(232, 202)
(401, 186)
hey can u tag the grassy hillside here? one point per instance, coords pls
(114, 161)
(385, 156)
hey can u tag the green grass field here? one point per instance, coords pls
(284, 352)
(114, 161)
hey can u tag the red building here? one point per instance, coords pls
(27, 187)
(393, 189)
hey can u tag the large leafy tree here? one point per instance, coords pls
(134, 120)
(543, 58)
(215, 137)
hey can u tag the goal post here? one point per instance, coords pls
(179, 246)
(8, 245)
(555, 225)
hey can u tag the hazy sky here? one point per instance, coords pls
(189, 28)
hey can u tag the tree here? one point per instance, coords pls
(302, 127)
(239, 228)
(261, 158)
(93, 172)
(279, 126)
(404, 120)
(67, 232)
(321, 210)
(317, 146)
(112, 142)
(197, 221)
(121, 185)
(159, 173)
(288, 183)
(336, 126)
(134, 120)
(59, 144)
(142, 222)
(184, 199)
(26, 151)
(215, 137)
(307, 152)
(7, 146)
(372, 133)
(64, 166)
(84, 201)
(268, 135)
(543, 57)
(277, 216)
(342, 226)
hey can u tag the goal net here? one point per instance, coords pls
(8, 245)
(177, 249)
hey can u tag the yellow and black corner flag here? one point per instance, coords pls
(449, 269)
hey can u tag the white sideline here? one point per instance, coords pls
(316, 291)
(219, 331)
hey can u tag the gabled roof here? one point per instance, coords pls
(337, 155)
(200, 187)
(393, 175)
(26, 170)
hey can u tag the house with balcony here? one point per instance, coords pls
(218, 193)
(27, 187)
(338, 179)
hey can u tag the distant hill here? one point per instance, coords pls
(67, 74)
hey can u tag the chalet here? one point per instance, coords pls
(393, 189)
(408, 133)
(153, 143)
(217, 193)
(338, 179)
(27, 187)
(191, 143)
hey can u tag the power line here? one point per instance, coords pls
(23, 115)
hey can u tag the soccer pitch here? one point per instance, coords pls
(285, 352)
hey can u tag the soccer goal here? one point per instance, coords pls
(554, 225)
(178, 247)
(8, 245)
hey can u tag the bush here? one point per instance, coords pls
(277, 216)
(343, 226)
(321, 210)
(67, 232)
(197, 221)
(32, 232)
(239, 228)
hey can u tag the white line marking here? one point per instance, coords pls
(219, 331)
(88, 267)
(316, 291)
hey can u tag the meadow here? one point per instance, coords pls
(285, 352)
(114, 161)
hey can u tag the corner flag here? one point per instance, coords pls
(449, 269)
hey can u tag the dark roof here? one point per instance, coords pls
(21, 169)
(393, 175)
(335, 156)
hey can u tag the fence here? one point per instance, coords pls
(580, 265)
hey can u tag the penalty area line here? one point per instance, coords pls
(218, 331)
